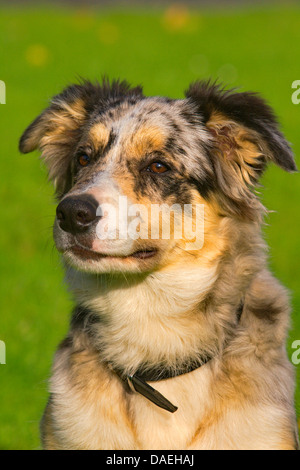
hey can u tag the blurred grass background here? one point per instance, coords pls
(44, 48)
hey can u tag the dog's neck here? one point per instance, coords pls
(155, 318)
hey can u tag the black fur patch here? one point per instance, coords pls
(83, 319)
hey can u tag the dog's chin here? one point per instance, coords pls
(84, 259)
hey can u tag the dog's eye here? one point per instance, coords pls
(83, 160)
(157, 167)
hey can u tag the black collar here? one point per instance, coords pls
(137, 382)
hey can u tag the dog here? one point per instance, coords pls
(173, 343)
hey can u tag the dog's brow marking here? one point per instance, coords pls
(146, 139)
(99, 134)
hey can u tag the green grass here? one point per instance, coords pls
(42, 50)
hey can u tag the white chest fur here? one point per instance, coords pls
(149, 321)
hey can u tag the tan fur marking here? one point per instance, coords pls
(99, 135)
(146, 139)
(76, 110)
(237, 146)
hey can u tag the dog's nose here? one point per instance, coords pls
(76, 214)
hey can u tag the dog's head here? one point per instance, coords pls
(117, 157)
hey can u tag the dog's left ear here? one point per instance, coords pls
(245, 136)
(240, 117)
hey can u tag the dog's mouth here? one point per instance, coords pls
(87, 254)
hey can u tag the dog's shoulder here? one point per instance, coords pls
(268, 302)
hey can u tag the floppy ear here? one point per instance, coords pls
(56, 131)
(245, 137)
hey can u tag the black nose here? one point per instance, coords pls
(76, 214)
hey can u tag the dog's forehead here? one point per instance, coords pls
(124, 138)
(142, 127)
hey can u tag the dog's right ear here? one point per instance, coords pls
(64, 113)
(56, 131)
